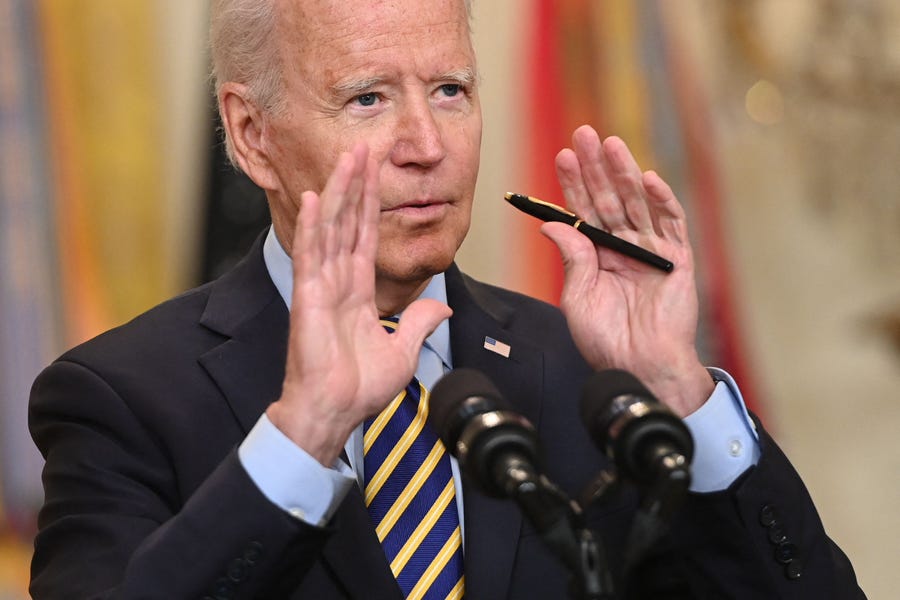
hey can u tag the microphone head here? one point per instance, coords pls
(605, 396)
(474, 423)
(626, 422)
(457, 397)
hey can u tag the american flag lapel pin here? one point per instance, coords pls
(496, 346)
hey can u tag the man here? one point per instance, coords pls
(219, 443)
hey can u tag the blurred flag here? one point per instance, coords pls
(106, 115)
(84, 206)
(29, 328)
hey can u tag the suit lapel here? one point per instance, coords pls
(248, 367)
(492, 526)
(249, 370)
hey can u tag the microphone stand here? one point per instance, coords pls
(560, 523)
(661, 498)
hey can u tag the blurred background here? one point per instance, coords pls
(777, 122)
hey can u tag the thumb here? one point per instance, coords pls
(578, 253)
(419, 320)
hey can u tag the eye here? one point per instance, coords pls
(368, 99)
(451, 89)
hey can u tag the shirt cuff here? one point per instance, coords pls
(725, 440)
(292, 479)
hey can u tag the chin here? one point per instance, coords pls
(408, 266)
(414, 259)
(412, 271)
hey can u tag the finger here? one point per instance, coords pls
(334, 197)
(340, 197)
(318, 232)
(348, 219)
(578, 200)
(627, 178)
(418, 321)
(579, 256)
(669, 219)
(601, 189)
(369, 211)
(335, 192)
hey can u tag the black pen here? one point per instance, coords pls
(546, 211)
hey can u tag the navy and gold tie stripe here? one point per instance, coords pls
(411, 498)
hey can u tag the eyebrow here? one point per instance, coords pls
(465, 76)
(355, 86)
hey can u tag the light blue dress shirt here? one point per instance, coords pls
(726, 443)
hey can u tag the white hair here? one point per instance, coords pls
(243, 49)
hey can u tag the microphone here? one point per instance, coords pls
(646, 440)
(649, 445)
(498, 449)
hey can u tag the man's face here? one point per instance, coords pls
(400, 75)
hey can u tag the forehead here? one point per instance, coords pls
(329, 36)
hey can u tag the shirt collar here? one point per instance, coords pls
(280, 269)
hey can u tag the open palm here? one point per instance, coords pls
(621, 312)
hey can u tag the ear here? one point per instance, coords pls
(244, 123)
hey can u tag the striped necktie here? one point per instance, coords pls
(410, 496)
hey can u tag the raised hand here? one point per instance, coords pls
(623, 313)
(342, 366)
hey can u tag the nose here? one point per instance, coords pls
(418, 137)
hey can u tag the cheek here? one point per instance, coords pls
(303, 154)
(471, 153)
(474, 136)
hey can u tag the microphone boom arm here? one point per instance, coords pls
(560, 523)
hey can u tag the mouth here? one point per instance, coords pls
(417, 203)
(418, 209)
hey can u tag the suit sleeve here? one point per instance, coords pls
(115, 525)
(761, 538)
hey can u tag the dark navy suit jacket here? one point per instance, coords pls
(146, 497)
